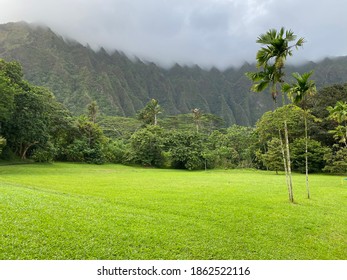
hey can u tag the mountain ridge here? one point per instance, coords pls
(77, 75)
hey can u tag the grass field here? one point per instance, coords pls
(76, 211)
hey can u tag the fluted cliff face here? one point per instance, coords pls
(78, 75)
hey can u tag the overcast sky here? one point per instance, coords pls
(217, 33)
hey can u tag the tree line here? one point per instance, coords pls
(35, 126)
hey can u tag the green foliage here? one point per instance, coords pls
(325, 97)
(2, 143)
(271, 59)
(315, 155)
(119, 127)
(30, 123)
(272, 159)
(336, 161)
(338, 113)
(87, 145)
(149, 114)
(147, 147)
(115, 151)
(187, 150)
(78, 75)
(93, 111)
(7, 91)
(44, 154)
(271, 123)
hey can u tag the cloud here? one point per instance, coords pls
(204, 32)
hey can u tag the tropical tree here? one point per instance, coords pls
(276, 47)
(338, 113)
(146, 147)
(29, 126)
(149, 114)
(272, 159)
(188, 150)
(337, 160)
(197, 118)
(93, 111)
(298, 92)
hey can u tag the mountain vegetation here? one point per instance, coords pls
(79, 75)
(36, 124)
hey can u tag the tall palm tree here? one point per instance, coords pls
(298, 92)
(276, 47)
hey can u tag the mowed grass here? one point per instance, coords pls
(76, 211)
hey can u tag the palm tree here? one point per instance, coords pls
(271, 58)
(262, 80)
(93, 111)
(276, 48)
(298, 92)
(197, 118)
(149, 114)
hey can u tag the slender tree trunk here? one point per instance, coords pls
(284, 163)
(155, 119)
(306, 157)
(291, 195)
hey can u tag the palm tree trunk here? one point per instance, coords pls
(306, 157)
(284, 163)
(291, 195)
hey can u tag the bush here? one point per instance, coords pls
(147, 147)
(45, 154)
(80, 151)
(115, 151)
(336, 162)
(187, 150)
(2, 143)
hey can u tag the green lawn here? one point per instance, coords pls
(76, 211)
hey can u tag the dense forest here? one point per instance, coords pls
(61, 110)
(33, 124)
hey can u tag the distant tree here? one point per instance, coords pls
(337, 158)
(298, 92)
(314, 152)
(8, 88)
(93, 111)
(146, 147)
(197, 114)
(187, 149)
(336, 161)
(222, 151)
(86, 142)
(149, 114)
(317, 104)
(119, 127)
(272, 159)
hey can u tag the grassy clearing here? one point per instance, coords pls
(75, 211)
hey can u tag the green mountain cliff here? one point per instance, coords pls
(78, 75)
